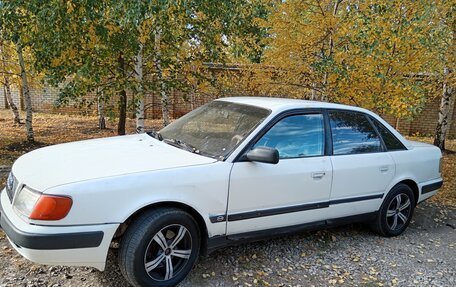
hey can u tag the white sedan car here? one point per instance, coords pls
(235, 169)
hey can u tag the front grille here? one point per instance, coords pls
(10, 194)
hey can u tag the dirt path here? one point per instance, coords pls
(345, 256)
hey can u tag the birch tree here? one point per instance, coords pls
(159, 72)
(101, 110)
(25, 92)
(443, 47)
(140, 95)
(15, 22)
(446, 102)
(8, 72)
(101, 46)
(363, 53)
(93, 50)
(174, 36)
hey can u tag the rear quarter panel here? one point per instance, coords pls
(420, 163)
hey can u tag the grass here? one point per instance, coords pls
(55, 128)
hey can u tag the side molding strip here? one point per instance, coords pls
(431, 187)
(289, 209)
(276, 211)
(354, 199)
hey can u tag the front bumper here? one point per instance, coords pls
(85, 245)
(50, 241)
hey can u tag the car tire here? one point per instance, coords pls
(396, 211)
(159, 248)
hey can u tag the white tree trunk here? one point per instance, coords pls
(10, 101)
(140, 95)
(192, 99)
(26, 93)
(101, 112)
(324, 94)
(162, 84)
(313, 95)
(444, 112)
(325, 91)
(6, 82)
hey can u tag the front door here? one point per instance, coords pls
(295, 191)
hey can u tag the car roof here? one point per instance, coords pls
(280, 104)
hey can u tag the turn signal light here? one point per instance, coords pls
(51, 207)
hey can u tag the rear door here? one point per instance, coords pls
(362, 169)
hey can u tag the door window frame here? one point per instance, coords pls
(373, 122)
(328, 142)
(241, 157)
(366, 116)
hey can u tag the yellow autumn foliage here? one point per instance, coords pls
(374, 54)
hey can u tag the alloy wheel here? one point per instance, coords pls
(398, 211)
(168, 252)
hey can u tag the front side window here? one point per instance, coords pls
(352, 133)
(296, 136)
(215, 129)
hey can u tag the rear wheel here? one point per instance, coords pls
(159, 248)
(396, 211)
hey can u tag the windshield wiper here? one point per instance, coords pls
(181, 144)
(155, 134)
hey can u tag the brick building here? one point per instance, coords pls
(43, 100)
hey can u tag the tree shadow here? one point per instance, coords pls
(24, 146)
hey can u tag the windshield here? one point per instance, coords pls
(215, 129)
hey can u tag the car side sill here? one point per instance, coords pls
(221, 241)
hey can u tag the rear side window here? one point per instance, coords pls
(352, 133)
(391, 142)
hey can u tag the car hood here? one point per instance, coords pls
(85, 160)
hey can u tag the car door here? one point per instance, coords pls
(292, 192)
(362, 169)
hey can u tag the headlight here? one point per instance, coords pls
(25, 201)
(38, 206)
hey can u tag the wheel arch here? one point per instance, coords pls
(168, 204)
(413, 185)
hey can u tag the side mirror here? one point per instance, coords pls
(264, 154)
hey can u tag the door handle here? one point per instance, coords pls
(318, 174)
(384, 169)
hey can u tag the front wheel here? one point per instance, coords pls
(396, 211)
(159, 248)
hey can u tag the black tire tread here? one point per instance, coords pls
(378, 226)
(134, 234)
